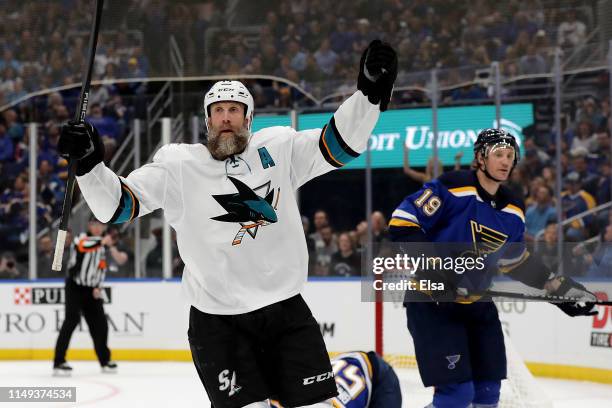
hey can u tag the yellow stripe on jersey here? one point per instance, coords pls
(513, 209)
(369, 364)
(463, 191)
(398, 222)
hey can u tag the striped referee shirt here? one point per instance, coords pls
(87, 264)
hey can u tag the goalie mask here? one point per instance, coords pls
(490, 140)
(229, 91)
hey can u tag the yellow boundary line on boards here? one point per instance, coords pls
(569, 372)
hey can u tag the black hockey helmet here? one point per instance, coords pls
(491, 139)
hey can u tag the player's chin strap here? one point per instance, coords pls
(486, 173)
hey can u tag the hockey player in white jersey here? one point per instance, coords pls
(239, 232)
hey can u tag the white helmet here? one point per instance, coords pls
(234, 91)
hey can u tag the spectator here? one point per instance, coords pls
(9, 269)
(118, 264)
(532, 63)
(44, 260)
(106, 125)
(581, 166)
(605, 182)
(324, 249)
(547, 248)
(346, 261)
(6, 146)
(379, 228)
(133, 69)
(539, 214)
(584, 137)
(15, 129)
(320, 220)
(297, 57)
(49, 180)
(572, 32)
(18, 92)
(601, 265)
(314, 37)
(341, 39)
(309, 241)
(590, 113)
(154, 260)
(8, 61)
(99, 95)
(469, 91)
(576, 201)
(326, 58)
(428, 175)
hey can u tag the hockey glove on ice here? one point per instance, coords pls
(377, 73)
(81, 141)
(570, 288)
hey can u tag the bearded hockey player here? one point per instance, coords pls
(232, 203)
(458, 340)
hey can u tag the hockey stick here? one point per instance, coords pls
(542, 298)
(79, 116)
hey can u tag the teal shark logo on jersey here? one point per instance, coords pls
(247, 208)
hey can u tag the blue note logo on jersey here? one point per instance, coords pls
(453, 360)
(266, 159)
(247, 208)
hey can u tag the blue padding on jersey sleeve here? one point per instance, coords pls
(333, 147)
(128, 208)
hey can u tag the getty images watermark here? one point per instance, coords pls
(402, 271)
(409, 271)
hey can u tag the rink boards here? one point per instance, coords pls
(148, 321)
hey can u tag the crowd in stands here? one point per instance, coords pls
(298, 40)
(109, 116)
(301, 41)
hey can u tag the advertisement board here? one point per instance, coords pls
(149, 320)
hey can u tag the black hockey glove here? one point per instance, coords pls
(585, 306)
(81, 141)
(377, 73)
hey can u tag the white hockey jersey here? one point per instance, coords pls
(237, 222)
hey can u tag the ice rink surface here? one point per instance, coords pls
(169, 384)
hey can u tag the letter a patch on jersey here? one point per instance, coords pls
(266, 159)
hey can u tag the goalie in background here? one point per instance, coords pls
(364, 380)
(233, 206)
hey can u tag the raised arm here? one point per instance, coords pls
(346, 135)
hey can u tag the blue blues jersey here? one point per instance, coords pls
(456, 209)
(353, 373)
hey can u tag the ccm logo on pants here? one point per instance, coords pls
(318, 378)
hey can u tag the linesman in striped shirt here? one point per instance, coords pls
(87, 267)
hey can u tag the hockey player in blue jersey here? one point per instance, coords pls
(458, 340)
(363, 380)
